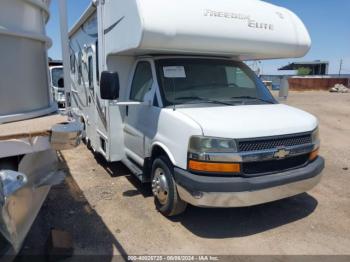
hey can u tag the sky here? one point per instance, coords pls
(328, 22)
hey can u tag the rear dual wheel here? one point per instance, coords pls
(85, 139)
(166, 197)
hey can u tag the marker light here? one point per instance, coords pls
(198, 166)
(314, 154)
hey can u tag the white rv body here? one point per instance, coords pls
(30, 128)
(134, 37)
(248, 30)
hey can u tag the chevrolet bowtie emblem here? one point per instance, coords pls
(281, 153)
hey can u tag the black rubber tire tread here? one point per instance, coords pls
(88, 144)
(84, 138)
(175, 205)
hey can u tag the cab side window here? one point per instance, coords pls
(142, 82)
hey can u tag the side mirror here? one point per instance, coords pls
(60, 83)
(109, 85)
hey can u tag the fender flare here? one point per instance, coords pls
(166, 150)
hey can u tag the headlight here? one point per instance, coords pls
(200, 158)
(316, 141)
(315, 136)
(199, 144)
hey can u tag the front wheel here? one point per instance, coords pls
(166, 197)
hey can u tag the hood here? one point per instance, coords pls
(250, 121)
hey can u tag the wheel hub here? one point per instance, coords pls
(160, 186)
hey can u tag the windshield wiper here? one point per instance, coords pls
(214, 84)
(227, 84)
(202, 99)
(253, 97)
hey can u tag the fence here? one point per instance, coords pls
(316, 83)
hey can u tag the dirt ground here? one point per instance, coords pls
(109, 213)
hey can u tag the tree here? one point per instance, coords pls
(304, 71)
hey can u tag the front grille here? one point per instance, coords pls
(273, 166)
(274, 142)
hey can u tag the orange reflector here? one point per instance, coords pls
(314, 154)
(214, 167)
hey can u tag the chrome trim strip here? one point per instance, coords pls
(253, 156)
(275, 137)
(248, 198)
(256, 156)
(216, 157)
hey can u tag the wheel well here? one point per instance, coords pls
(158, 151)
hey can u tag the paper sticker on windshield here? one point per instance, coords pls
(174, 72)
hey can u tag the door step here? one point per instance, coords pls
(134, 168)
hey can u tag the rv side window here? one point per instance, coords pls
(91, 73)
(142, 81)
(97, 62)
(72, 63)
(80, 68)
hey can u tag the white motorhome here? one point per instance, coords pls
(57, 83)
(31, 130)
(160, 85)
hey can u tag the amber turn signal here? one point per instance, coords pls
(214, 167)
(314, 154)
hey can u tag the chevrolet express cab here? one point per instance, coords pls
(170, 97)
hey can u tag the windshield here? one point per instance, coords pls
(57, 74)
(191, 81)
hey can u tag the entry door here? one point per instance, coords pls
(91, 97)
(139, 117)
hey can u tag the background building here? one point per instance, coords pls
(318, 68)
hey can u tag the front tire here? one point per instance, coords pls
(166, 197)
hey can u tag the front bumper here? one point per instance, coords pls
(204, 191)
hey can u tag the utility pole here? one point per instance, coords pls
(65, 50)
(340, 66)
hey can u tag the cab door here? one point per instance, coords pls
(138, 127)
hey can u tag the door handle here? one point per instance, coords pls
(89, 99)
(127, 110)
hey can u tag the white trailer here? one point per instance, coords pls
(30, 127)
(57, 83)
(160, 85)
